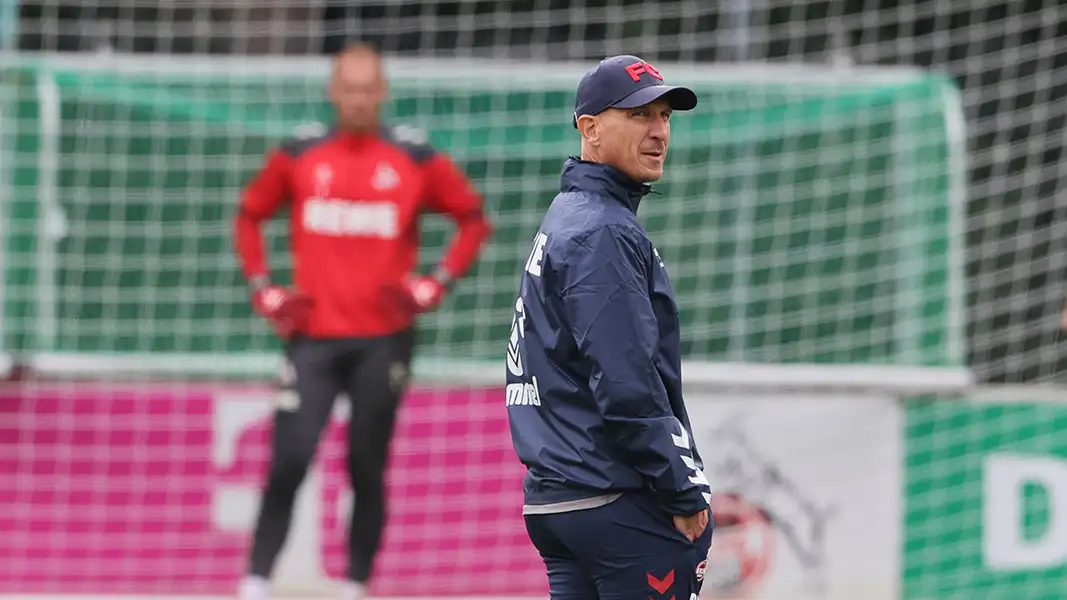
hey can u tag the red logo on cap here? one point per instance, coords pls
(637, 68)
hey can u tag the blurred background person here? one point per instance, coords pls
(355, 195)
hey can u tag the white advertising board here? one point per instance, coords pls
(806, 493)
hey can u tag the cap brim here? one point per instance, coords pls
(678, 97)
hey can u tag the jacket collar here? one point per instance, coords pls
(353, 139)
(598, 178)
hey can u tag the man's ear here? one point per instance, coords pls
(590, 129)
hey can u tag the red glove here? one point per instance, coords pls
(288, 311)
(424, 293)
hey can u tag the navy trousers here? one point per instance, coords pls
(626, 550)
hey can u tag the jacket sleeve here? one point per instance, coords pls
(451, 193)
(605, 293)
(261, 198)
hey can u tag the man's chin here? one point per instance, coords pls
(650, 171)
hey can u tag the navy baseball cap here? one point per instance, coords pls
(626, 82)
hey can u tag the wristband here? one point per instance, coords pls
(443, 277)
(259, 282)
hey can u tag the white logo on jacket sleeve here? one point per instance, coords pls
(521, 393)
(524, 393)
(518, 330)
(696, 475)
(537, 255)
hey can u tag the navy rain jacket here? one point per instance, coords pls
(594, 390)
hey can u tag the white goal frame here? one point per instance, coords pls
(493, 75)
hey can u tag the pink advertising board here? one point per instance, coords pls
(151, 489)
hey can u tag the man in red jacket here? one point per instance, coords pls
(354, 196)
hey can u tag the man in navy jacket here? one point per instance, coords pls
(615, 497)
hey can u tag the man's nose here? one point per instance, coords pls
(658, 129)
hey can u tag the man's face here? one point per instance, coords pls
(634, 140)
(357, 91)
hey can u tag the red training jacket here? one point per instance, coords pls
(354, 204)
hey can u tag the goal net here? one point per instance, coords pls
(809, 216)
(813, 219)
